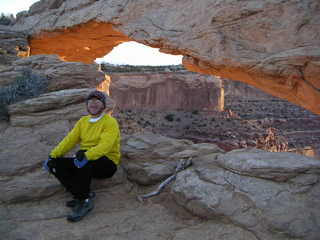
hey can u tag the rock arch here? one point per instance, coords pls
(273, 45)
(81, 43)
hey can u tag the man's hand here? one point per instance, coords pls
(80, 155)
(45, 164)
(79, 163)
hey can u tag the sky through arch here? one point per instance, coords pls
(133, 53)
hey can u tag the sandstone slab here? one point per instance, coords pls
(21, 151)
(49, 107)
(269, 209)
(146, 157)
(62, 75)
(149, 158)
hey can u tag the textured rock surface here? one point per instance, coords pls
(50, 107)
(277, 167)
(239, 90)
(26, 148)
(229, 191)
(149, 158)
(12, 45)
(165, 91)
(272, 45)
(61, 75)
(146, 157)
(218, 187)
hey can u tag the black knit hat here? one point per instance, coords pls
(99, 95)
(108, 103)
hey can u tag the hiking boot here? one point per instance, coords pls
(81, 210)
(74, 202)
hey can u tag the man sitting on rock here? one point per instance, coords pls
(99, 138)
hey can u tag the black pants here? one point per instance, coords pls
(77, 180)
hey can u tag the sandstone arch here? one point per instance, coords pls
(273, 45)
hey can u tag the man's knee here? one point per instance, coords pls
(107, 171)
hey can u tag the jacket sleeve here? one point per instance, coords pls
(69, 142)
(107, 139)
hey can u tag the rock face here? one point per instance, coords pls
(254, 190)
(13, 44)
(238, 90)
(61, 75)
(66, 86)
(167, 91)
(50, 107)
(246, 194)
(272, 45)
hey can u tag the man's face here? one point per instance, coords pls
(95, 106)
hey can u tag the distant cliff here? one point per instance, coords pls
(167, 90)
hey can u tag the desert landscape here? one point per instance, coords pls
(255, 149)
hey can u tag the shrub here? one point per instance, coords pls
(7, 19)
(4, 112)
(195, 112)
(3, 51)
(26, 86)
(169, 117)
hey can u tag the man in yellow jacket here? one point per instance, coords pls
(99, 137)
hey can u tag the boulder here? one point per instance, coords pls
(269, 195)
(49, 107)
(146, 157)
(279, 167)
(62, 75)
(24, 149)
(32, 186)
(149, 158)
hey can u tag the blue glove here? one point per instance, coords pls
(45, 164)
(79, 163)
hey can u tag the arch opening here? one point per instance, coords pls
(133, 53)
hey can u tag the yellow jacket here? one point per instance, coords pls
(101, 138)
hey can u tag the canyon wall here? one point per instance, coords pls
(234, 89)
(273, 45)
(167, 91)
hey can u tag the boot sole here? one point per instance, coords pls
(77, 219)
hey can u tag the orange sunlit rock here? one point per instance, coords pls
(82, 43)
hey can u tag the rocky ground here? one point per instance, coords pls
(271, 124)
(299, 126)
(245, 194)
